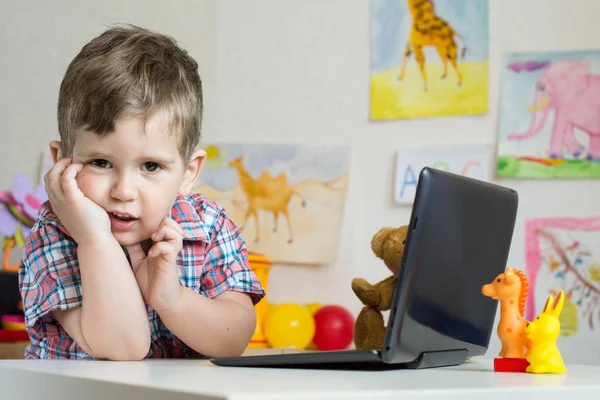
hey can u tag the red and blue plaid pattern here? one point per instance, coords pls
(213, 259)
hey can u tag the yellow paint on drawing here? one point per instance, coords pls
(395, 99)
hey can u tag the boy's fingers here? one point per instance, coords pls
(174, 236)
(169, 231)
(52, 178)
(173, 224)
(163, 249)
(158, 235)
(174, 231)
(69, 184)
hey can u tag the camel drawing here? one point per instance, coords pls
(272, 194)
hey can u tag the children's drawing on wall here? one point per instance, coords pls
(562, 253)
(472, 160)
(550, 115)
(287, 199)
(429, 58)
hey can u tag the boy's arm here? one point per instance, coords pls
(112, 322)
(219, 327)
(217, 318)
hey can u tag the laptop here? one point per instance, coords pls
(459, 239)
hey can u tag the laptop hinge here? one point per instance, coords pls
(443, 358)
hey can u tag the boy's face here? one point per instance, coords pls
(135, 172)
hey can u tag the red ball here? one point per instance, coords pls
(334, 328)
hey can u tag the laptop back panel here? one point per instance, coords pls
(459, 239)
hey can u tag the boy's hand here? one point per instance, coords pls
(157, 273)
(84, 219)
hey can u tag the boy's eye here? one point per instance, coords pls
(100, 163)
(151, 166)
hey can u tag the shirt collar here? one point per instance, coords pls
(185, 214)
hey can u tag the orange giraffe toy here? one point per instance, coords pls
(511, 288)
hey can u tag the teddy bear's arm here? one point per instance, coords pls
(386, 288)
(366, 293)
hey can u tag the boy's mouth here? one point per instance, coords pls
(123, 217)
(122, 222)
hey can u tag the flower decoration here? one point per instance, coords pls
(18, 211)
(28, 196)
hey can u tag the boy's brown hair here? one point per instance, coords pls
(128, 70)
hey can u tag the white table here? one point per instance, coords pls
(194, 379)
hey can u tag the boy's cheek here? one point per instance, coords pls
(89, 184)
(83, 178)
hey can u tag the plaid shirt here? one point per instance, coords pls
(213, 259)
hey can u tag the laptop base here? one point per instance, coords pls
(368, 360)
(436, 359)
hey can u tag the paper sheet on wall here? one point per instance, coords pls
(537, 89)
(429, 58)
(562, 253)
(468, 160)
(288, 199)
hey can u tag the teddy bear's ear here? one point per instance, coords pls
(379, 240)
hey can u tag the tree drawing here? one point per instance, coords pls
(576, 272)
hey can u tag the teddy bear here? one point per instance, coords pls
(369, 329)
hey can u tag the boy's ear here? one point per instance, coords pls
(192, 172)
(55, 150)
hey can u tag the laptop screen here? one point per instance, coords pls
(461, 231)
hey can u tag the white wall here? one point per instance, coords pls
(283, 70)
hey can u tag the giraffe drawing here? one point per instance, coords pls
(269, 193)
(429, 29)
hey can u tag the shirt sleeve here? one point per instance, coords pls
(49, 276)
(226, 265)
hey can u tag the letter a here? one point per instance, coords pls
(412, 180)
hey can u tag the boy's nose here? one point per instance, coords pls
(123, 190)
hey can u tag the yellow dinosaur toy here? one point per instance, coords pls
(544, 356)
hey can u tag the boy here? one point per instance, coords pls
(123, 262)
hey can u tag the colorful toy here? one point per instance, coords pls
(13, 335)
(511, 288)
(18, 212)
(13, 322)
(369, 329)
(510, 364)
(544, 356)
(313, 308)
(261, 265)
(290, 325)
(334, 328)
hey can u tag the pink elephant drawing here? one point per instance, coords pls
(573, 93)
